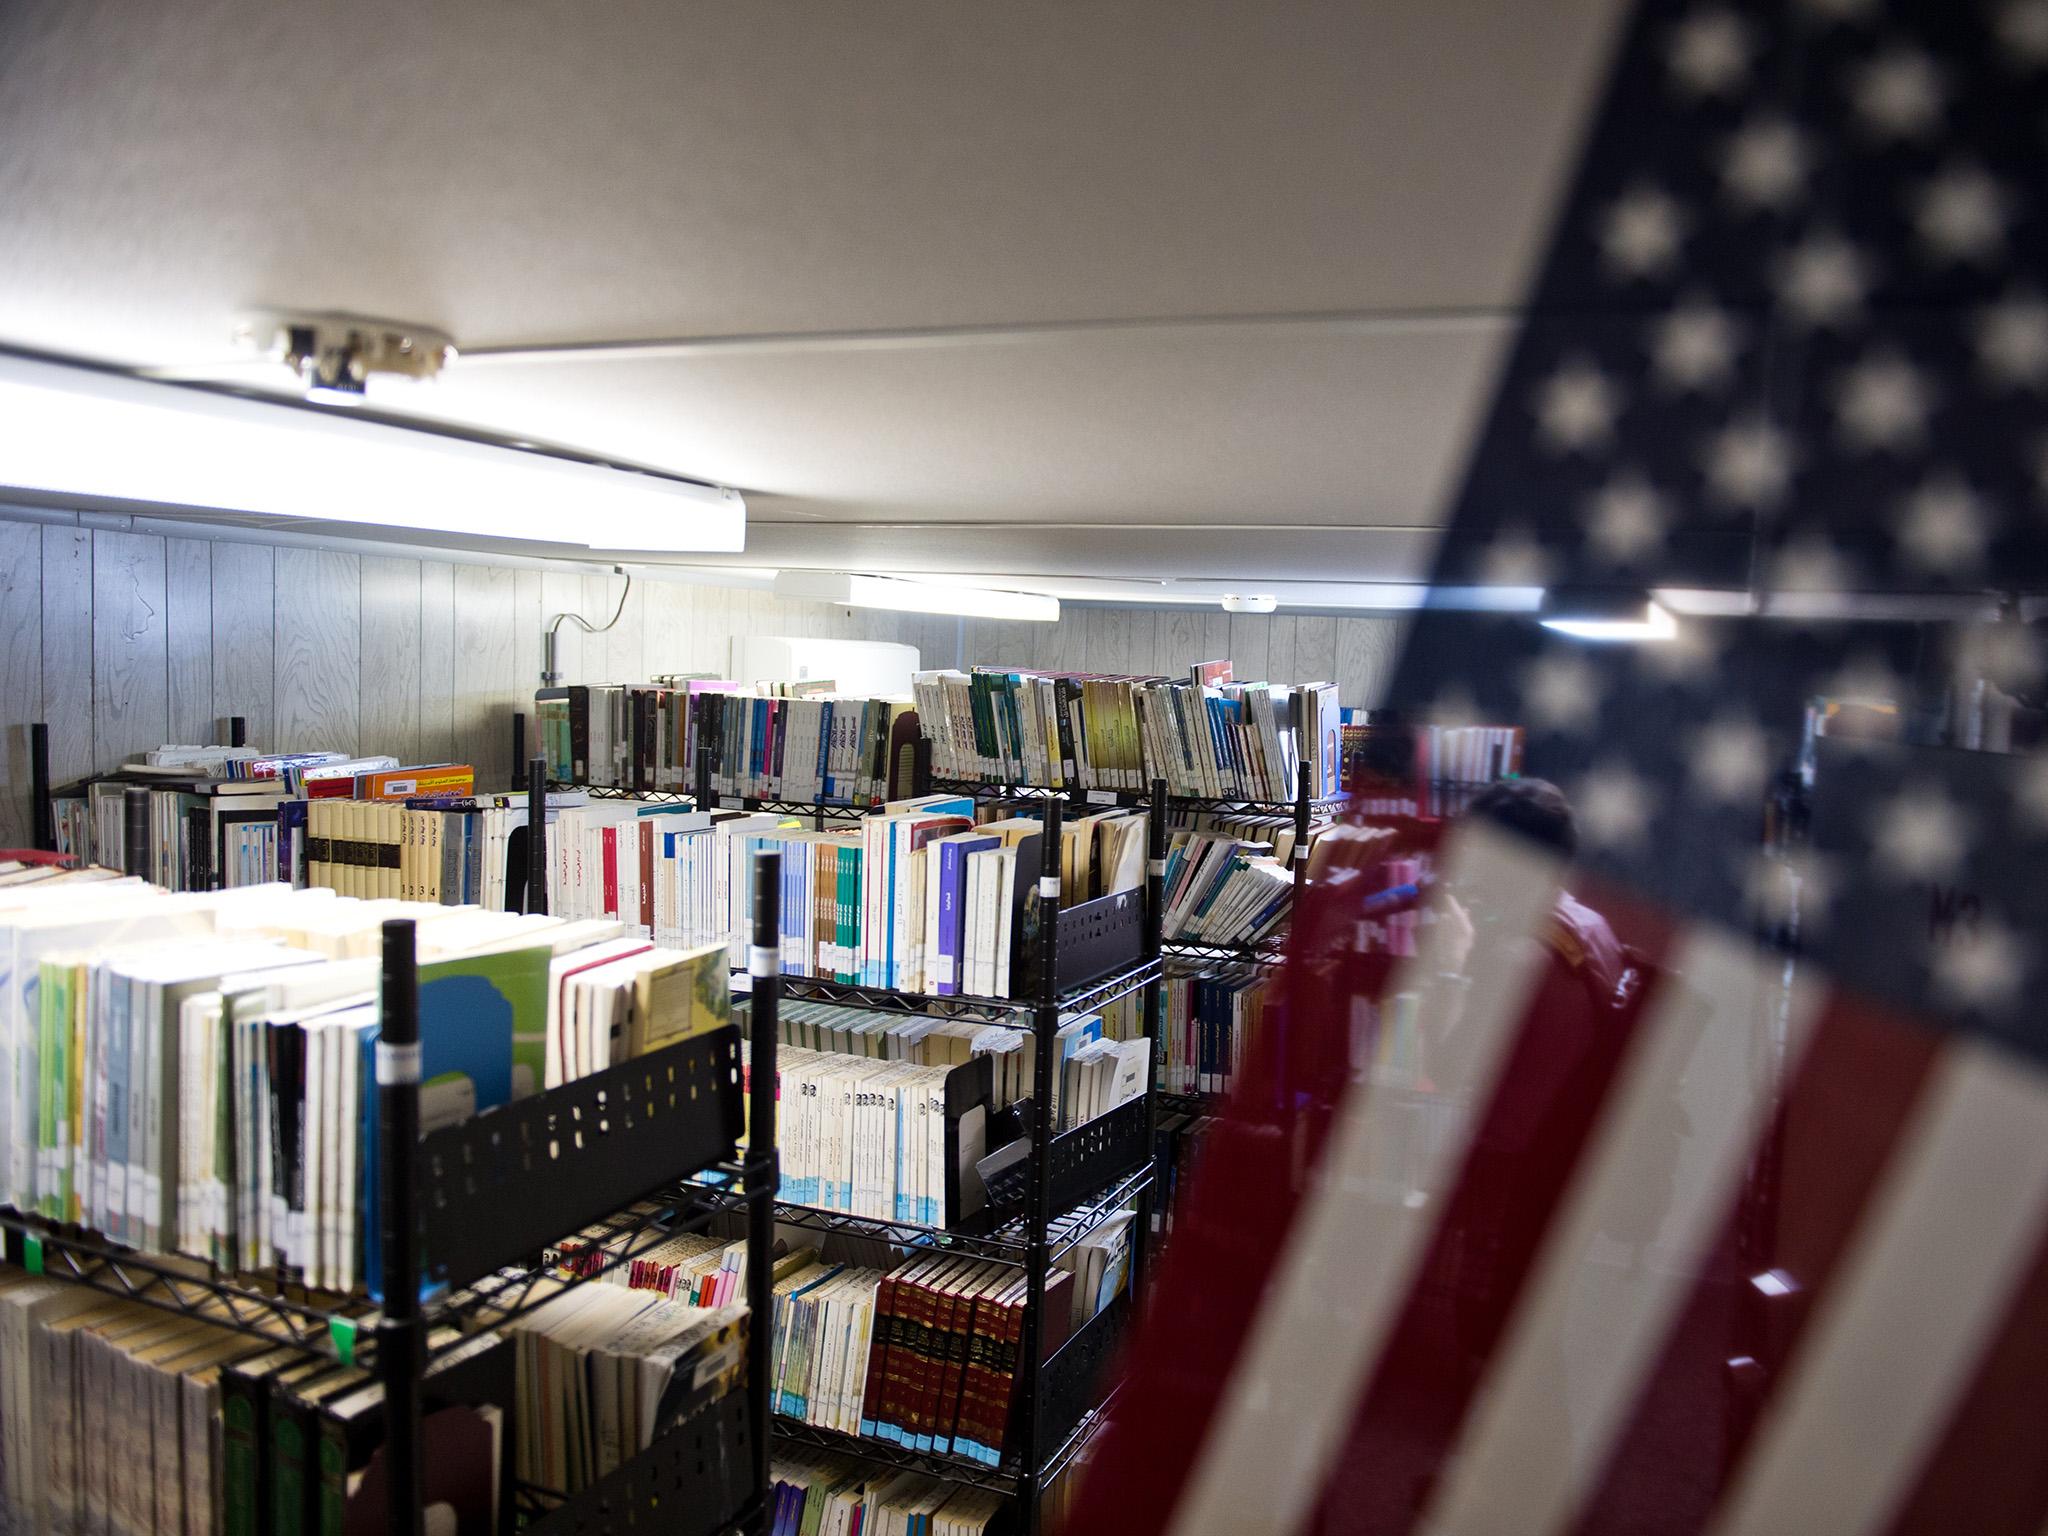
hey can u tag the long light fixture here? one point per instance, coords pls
(915, 596)
(73, 431)
(1606, 613)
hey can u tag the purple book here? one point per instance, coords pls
(952, 888)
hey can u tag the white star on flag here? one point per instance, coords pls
(1577, 407)
(1809, 563)
(1766, 165)
(1944, 528)
(1822, 280)
(1865, 680)
(1898, 95)
(1685, 658)
(2012, 342)
(1920, 834)
(1514, 559)
(2023, 33)
(1780, 886)
(1614, 805)
(1839, 10)
(2031, 791)
(1626, 520)
(1730, 759)
(1960, 215)
(1561, 690)
(1749, 464)
(1709, 52)
(1882, 403)
(1640, 235)
(1980, 965)
(1694, 346)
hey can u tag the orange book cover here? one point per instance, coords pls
(427, 779)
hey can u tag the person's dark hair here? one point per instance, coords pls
(1536, 808)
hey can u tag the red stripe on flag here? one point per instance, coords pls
(1988, 1474)
(1537, 1121)
(1234, 1213)
(1829, 1144)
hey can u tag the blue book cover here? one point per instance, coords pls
(952, 894)
(825, 784)
(482, 1018)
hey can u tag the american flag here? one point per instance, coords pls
(1771, 1255)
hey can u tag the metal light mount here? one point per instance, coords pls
(335, 355)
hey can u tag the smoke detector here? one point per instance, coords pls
(335, 356)
(1261, 603)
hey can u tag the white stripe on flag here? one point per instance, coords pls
(1351, 1253)
(1541, 1428)
(1895, 1340)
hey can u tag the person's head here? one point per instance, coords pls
(1536, 808)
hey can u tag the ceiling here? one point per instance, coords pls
(1318, 218)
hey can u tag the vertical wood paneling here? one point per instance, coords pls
(131, 695)
(1365, 660)
(486, 675)
(318, 626)
(21, 671)
(1180, 636)
(1315, 650)
(526, 643)
(1280, 649)
(1251, 647)
(244, 668)
(614, 655)
(437, 661)
(67, 651)
(391, 657)
(710, 631)
(1109, 634)
(665, 640)
(188, 613)
(1144, 645)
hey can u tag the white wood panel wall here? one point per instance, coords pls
(1357, 654)
(124, 640)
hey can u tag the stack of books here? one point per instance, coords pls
(624, 736)
(821, 1493)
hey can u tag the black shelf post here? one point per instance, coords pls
(135, 858)
(238, 731)
(763, 1175)
(537, 835)
(1303, 804)
(518, 738)
(401, 1356)
(700, 708)
(1037, 1251)
(42, 825)
(1154, 1016)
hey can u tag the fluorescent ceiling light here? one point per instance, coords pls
(915, 596)
(1606, 614)
(73, 431)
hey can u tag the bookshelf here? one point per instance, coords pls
(470, 1209)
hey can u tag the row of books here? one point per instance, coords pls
(755, 743)
(623, 735)
(1396, 769)
(1210, 1022)
(192, 1073)
(916, 897)
(1207, 737)
(820, 1494)
(602, 1370)
(923, 1355)
(121, 1417)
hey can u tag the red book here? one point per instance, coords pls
(878, 1356)
(611, 871)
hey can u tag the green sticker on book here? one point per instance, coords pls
(343, 1332)
(32, 1253)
